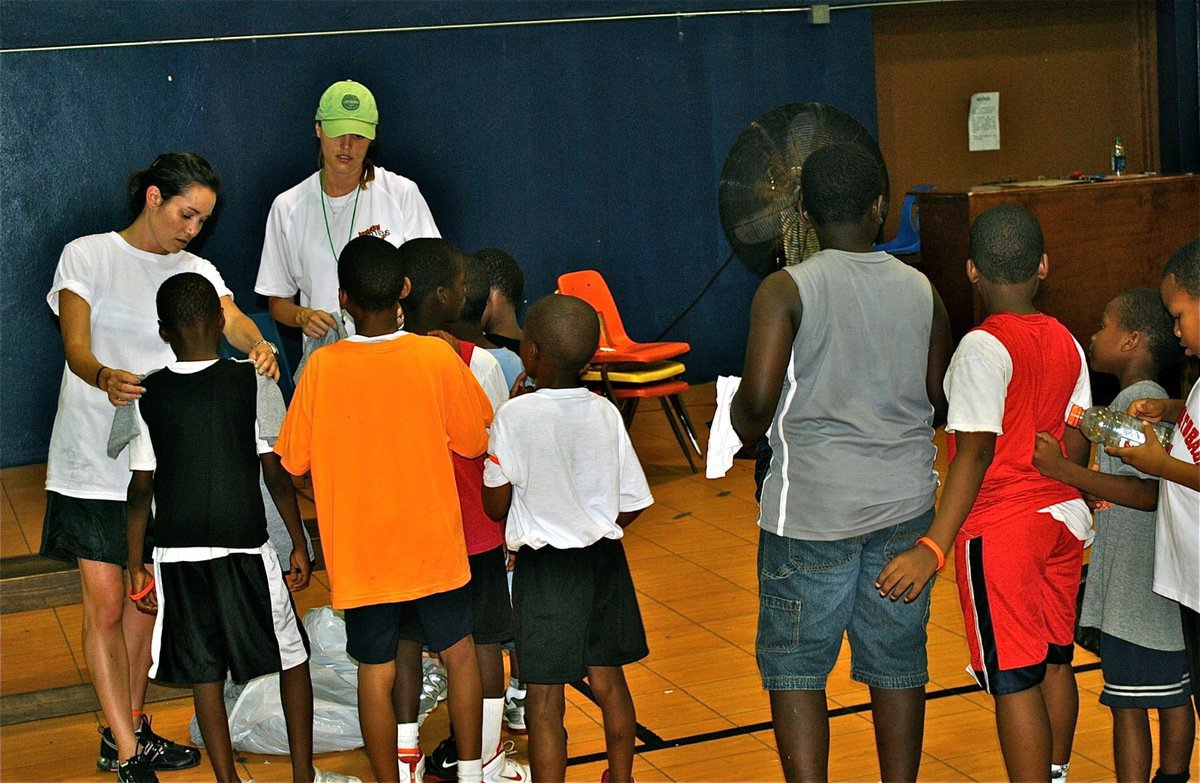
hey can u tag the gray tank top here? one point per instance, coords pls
(852, 438)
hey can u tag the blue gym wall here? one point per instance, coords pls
(584, 144)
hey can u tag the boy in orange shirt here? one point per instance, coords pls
(374, 419)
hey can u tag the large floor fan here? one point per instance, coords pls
(759, 193)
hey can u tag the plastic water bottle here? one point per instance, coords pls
(1113, 428)
(1118, 156)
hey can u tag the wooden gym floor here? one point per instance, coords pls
(702, 713)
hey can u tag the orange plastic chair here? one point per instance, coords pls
(615, 344)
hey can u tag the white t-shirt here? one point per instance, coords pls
(120, 283)
(141, 448)
(571, 466)
(486, 369)
(975, 385)
(1177, 533)
(300, 249)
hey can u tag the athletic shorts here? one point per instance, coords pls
(231, 613)
(373, 632)
(575, 609)
(491, 608)
(1017, 584)
(1140, 678)
(87, 529)
(814, 593)
(1191, 645)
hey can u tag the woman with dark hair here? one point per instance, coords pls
(103, 293)
(348, 196)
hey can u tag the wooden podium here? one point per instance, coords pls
(1101, 238)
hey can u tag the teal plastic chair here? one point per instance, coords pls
(270, 332)
(908, 238)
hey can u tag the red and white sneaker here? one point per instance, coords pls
(412, 765)
(604, 777)
(503, 768)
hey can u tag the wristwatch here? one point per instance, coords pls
(268, 343)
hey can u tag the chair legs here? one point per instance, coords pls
(678, 433)
(686, 420)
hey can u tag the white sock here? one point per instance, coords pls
(408, 736)
(1058, 772)
(493, 716)
(515, 691)
(470, 771)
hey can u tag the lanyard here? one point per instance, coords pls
(353, 215)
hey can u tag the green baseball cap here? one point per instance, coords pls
(348, 107)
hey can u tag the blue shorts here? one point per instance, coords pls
(811, 593)
(1140, 678)
(373, 632)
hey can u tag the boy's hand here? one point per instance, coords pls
(510, 559)
(449, 338)
(1151, 410)
(1149, 457)
(1048, 455)
(139, 579)
(521, 386)
(297, 578)
(907, 574)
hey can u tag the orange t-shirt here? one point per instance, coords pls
(375, 422)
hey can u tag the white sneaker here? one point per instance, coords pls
(502, 768)
(514, 714)
(412, 767)
(327, 776)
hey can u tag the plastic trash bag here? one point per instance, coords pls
(256, 721)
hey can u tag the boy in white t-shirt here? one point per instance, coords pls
(561, 466)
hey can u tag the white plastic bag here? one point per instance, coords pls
(256, 721)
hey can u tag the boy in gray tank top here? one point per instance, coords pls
(844, 366)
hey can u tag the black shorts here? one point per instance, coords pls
(1140, 678)
(87, 529)
(373, 632)
(229, 614)
(1191, 645)
(491, 607)
(574, 609)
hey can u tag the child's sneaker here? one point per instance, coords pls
(441, 766)
(166, 755)
(502, 767)
(412, 765)
(139, 769)
(327, 776)
(604, 777)
(514, 714)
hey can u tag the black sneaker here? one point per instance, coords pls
(165, 755)
(139, 769)
(441, 766)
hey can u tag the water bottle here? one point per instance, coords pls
(1118, 156)
(1113, 428)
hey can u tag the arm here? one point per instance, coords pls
(279, 484)
(939, 359)
(496, 501)
(137, 516)
(314, 323)
(75, 320)
(1129, 491)
(243, 334)
(908, 573)
(774, 319)
(1152, 459)
(624, 518)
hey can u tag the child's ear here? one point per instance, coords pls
(1131, 340)
(972, 272)
(342, 299)
(877, 210)
(1043, 267)
(221, 320)
(162, 333)
(407, 289)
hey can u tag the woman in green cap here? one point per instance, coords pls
(348, 196)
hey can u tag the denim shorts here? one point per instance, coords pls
(812, 593)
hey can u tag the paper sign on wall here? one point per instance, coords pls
(983, 124)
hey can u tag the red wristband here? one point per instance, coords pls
(143, 593)
(933, 547)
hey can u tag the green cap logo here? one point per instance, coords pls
(350, 102)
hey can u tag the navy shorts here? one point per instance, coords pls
(575, 609)
(373, 632)
(87, 529)
(1140, 678)
(812, 593)
(491, 608)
